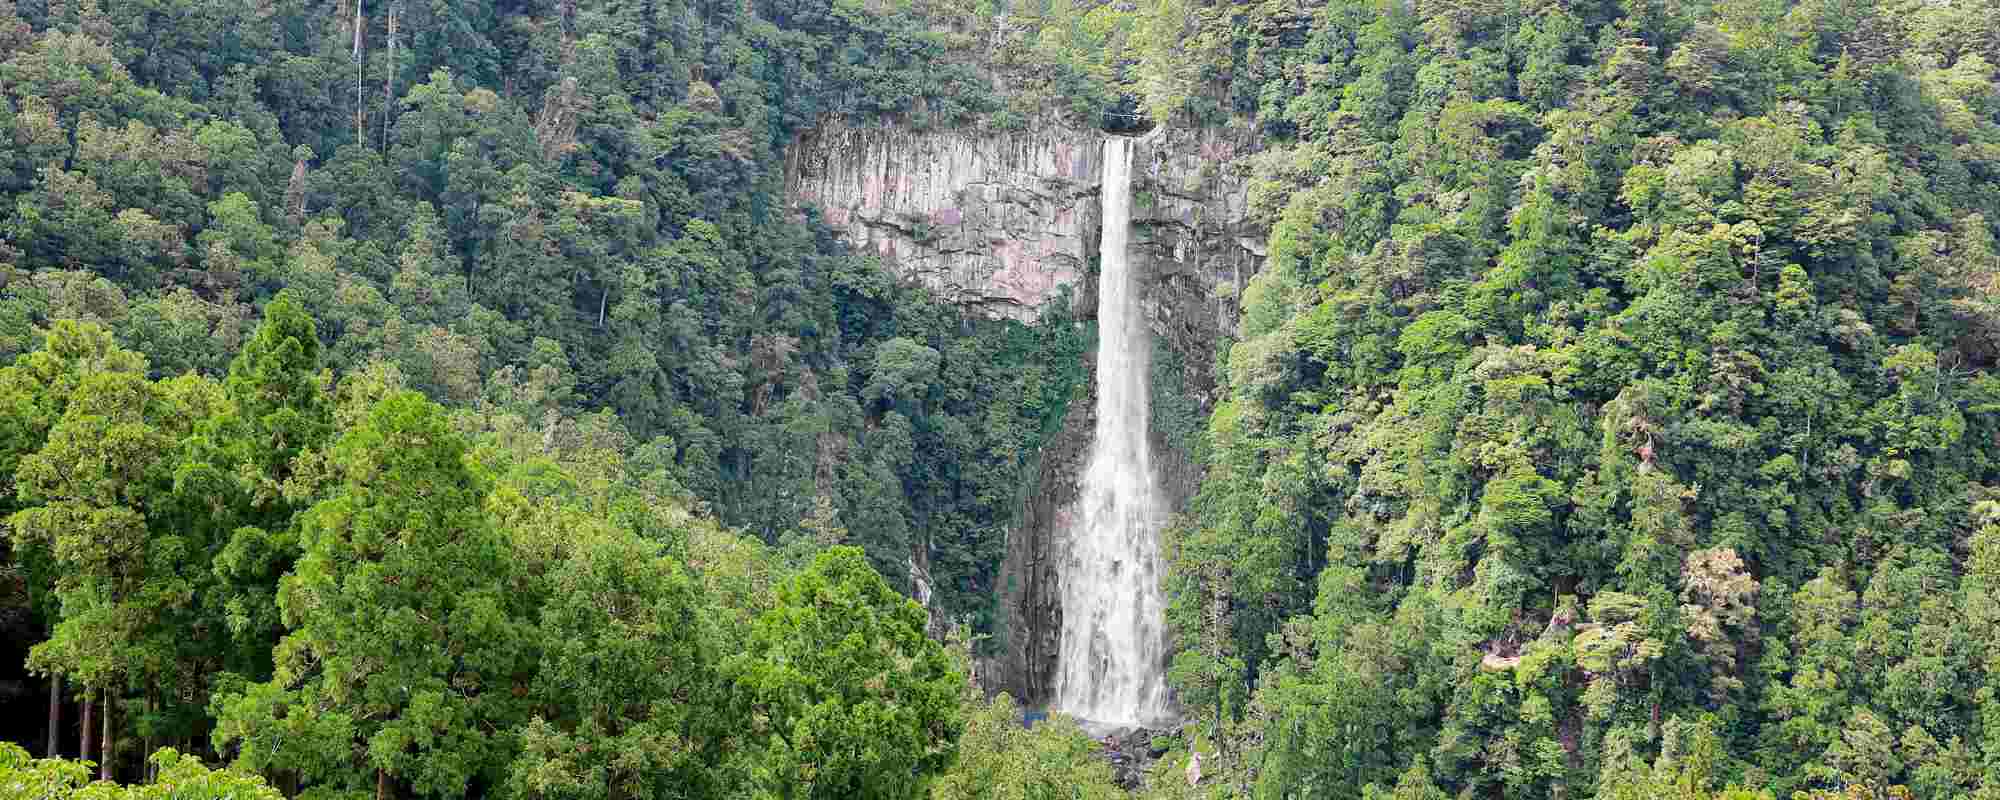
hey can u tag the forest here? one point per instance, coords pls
(444, 400)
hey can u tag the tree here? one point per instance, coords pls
(98, 495)
(34, 392)
(279, 392)
(404, 645)
(180, 777)
(1001, 757)
(1717, 596)
(628, 703)
(242, 469)
(846, 696)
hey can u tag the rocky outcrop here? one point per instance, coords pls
(1000, 223)
(1029, 633)
(995, 222)
(1191, 231)
(1196, 245)
(1131, 752)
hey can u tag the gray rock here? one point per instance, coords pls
(1001, 221)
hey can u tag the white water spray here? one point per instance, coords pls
(1112, 665)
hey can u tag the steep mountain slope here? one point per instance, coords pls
(1619, 385)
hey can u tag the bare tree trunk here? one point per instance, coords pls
(360, 110)
(55, 716)
(295, 193)
(381, 784)
(389, 81)
(146, 748)
(89, 724)
(104, 743)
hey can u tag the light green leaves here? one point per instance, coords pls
(180, 778)
(846, 696)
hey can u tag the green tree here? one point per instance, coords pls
(846, 695)
(243, 469)
(404, 643)
(627, 699)
(1001, 758)
(99, 497)
(180, 777)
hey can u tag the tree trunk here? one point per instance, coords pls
(89, 728)
(389, 83)
(381, 784)
(104, 743)
(55, 716)
(146, 748)
(360, 104)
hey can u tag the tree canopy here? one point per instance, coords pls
(445, 400)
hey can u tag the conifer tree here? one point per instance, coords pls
(404, 647)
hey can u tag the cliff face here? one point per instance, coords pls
(994, 222)
(1000, 222)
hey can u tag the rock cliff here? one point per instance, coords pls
(994, 222)
(1000, 222)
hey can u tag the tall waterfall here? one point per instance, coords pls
(1112, 665)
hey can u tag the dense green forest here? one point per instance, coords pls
(383, 378)
(1616, 411)
(441, 399)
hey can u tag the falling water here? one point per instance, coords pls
(1113, 657)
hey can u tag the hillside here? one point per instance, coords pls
(562, 400)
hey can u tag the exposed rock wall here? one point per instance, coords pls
(994, 222)
(1193, 240)
(1000, 222)
(1029, 634)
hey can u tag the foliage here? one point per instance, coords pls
(1001, 758)
(180, 778)
(848, 695)
(443, 399)
(403, 639)
(574, 205)
(437, 604)
(1614, 366)
(625, 696)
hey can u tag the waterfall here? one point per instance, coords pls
(1112, 662)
